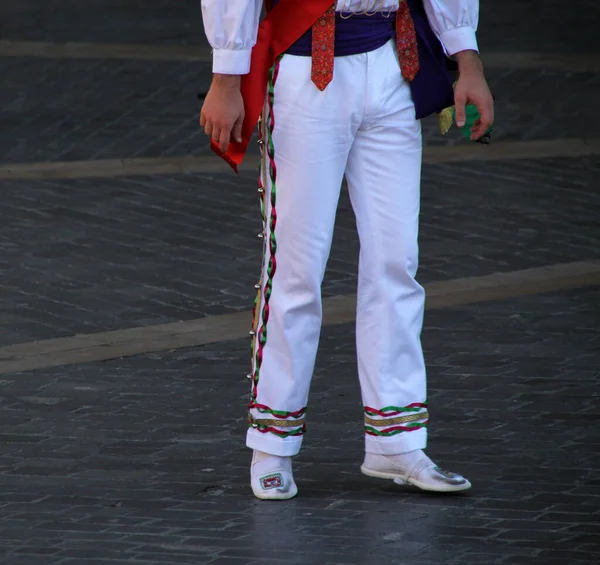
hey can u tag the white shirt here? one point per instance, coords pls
(231, 26)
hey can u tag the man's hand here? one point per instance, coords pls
(222, 113)
(472, 88)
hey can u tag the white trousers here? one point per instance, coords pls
(362, 126)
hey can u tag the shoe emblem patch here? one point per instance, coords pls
(446, 474)
(271, 481)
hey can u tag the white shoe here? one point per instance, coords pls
(421, 472)
(271, 477)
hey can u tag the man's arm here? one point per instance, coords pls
(231, 28)
(455, 23)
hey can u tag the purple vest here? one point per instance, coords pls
(432, 87)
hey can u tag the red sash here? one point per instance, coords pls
(279, 30)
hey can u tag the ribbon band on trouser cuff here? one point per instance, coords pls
(401, 420)
(277, 423)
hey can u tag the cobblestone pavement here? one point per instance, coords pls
(89, 255)
(120, 109)
(141, 460)
(145, 108)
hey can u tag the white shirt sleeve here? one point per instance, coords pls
(231, 27)
(454, 22)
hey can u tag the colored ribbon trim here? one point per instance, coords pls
(395, 410)
(278, 423)
(269, 225)
(280, 433)
(262, 409)
(400, 420)
(394, 430)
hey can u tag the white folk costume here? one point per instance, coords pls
(319, 123)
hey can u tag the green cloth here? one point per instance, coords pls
(472, 115)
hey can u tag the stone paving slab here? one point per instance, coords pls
(142, 460)
(89, 255)
(101, 346)
(207, 164)
(76, 109)
(109, 109)
(113, 21)
(536, 25)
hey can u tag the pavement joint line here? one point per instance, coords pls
(103, 346)
(582, 62)
(210, 164)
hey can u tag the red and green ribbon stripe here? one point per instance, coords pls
(389, 411)
(261, 336)
(279, 413)
(280, 433)
(394, 430)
